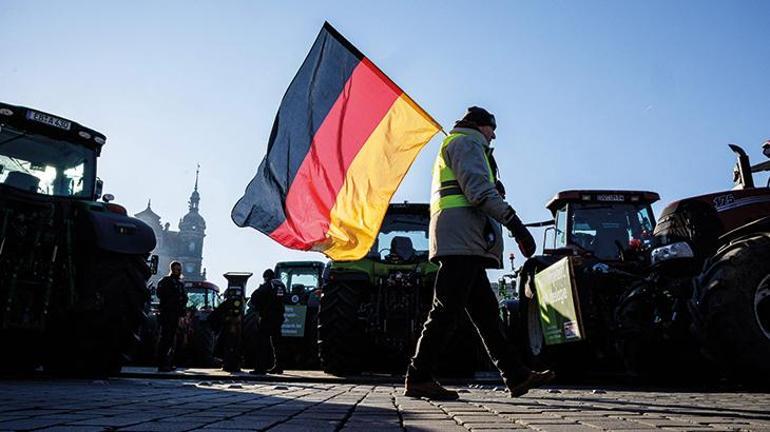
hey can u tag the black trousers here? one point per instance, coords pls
(462, 287)
(169, 325)
(268, 338)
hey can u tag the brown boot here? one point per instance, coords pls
(532, 380)
(429, 389)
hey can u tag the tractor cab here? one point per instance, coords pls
(202, 295)
(48, 155)
(302, 279)
(599, 223)
(403, 235)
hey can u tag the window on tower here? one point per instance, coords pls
(191, 246)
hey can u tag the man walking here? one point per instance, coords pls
(173, 300)
(268, 302)
(467, 209)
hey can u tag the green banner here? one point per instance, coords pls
(294, 321)
(557, 299)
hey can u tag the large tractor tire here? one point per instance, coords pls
(531, 333)
(97, 338)
(731, 306)
(148, 341)
(201, 344)
(340, 337)
(250, 338)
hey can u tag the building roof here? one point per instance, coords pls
(148, 214)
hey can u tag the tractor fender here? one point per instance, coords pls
(760, 225)
(121, 234)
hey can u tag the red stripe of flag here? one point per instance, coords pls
(364, 101)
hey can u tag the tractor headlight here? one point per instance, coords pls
(672, 251)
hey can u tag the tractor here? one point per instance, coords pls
(72, 269)
(372, 310)
(298, 344)
(196, 339)
(564, 310)
(688, 295)
(712, 253)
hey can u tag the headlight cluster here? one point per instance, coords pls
(672, 251)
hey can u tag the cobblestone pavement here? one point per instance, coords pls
(174, 405)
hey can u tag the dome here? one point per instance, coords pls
(148, 216)
(192, 221)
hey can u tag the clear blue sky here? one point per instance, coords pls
(589, 94)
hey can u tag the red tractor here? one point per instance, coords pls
(715, 250)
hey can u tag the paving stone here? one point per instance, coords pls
(72, 429)
(244, 422)
(564, 428)
(433, 426)
(615, 424)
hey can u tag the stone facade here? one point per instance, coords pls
(185, 245)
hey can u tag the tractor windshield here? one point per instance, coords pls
(606, 230)
(202, 298)
(403, 237)
(44, 165)
(299, 280)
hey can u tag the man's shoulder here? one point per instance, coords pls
(467, 142)
(468, 135)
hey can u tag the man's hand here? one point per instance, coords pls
(500, 188)
(523, 237)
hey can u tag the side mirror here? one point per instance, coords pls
(98, 189)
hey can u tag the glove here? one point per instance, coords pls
(523, 237)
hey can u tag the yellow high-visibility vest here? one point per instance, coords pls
(445, 190)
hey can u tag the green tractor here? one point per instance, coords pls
(372, 310)
(72, 269)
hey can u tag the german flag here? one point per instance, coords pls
(342, 141)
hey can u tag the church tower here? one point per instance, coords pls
(192, 230)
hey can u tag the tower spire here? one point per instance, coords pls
(197, 172)
(195, 197)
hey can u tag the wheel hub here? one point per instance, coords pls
(762, 306)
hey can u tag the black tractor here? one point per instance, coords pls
(567, 299)
(372, 310)
(72, 269)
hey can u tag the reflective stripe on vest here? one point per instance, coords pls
(445, 189)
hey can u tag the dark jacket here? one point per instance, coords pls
(267, 300)
(172, 296)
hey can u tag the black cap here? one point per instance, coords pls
(268, 274)
(480, 117)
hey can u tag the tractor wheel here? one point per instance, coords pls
(249, 339)
(531, 333)
(340, 337)
(635, 342)
(148, 344)
(731, 305)
(202, 342)
(97, 338)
